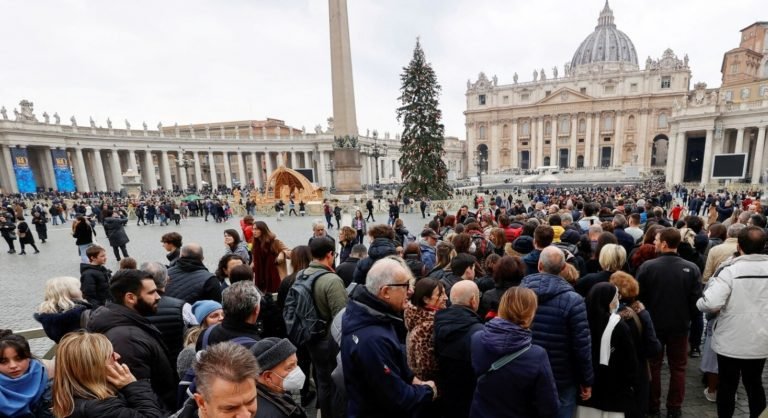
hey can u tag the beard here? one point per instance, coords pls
(146, 309)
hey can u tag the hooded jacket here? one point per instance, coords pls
(380, 248)
(524, 387)
(454, 328)
(94, 283)
(115, 231)
(376, 373)
(428, 255)
(141, 347)
(135, 400)
(56, 325)
(190, 281)
(561, 327)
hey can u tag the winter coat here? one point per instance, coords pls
(23, 229)
(380, 248)
(376, 374)
(40, 226)
(346, 270)
(739, 291)
(585, 283)
(135, 400)
(454, 328)
(191, 281)
(420, 342)
(229, 330)
(561, 327)
(625, 240)
(328, 292)
(531, 261)
(169, 319)
(428, 255)
(345, 250)
(56, 325)
(277, 405)
(83, 233)
(94, 283)
(669, 288)
(241, 250)
(449, 280)
(114, 229)
(525, 387)
(489, 302)
(140, 346)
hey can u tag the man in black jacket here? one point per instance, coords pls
(346, 270)
(94, 277)
(139, 343)
(454, 328)
(190, 280)
(241, 303)
(669, 288)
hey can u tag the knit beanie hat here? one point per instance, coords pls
(271, 351)
(523, 244)
(202, 308)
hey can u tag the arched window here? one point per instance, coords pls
(505, 131)
(608, 123)
(481, 132)
(548, 128)
(662, 121)
(526, 129)
(565, 125)
(582, 126)
(631, 123)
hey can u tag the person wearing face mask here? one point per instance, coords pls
(280, 376)
(614, 357)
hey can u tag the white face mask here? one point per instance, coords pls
(472, 248)
(614, 306)
(294, 381)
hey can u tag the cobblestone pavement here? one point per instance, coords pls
(23, 277)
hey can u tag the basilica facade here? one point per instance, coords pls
(601, 109)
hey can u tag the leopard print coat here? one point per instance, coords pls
(419, 344)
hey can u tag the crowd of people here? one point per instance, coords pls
(569, 304)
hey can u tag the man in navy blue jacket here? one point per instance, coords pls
(378, 381)
(561, 327)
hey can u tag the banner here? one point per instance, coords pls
(25, 178)
(62, 171)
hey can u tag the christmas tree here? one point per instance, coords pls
(422, 142)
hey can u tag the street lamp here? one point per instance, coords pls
(332, 168)
(376, 151)
(479, 161)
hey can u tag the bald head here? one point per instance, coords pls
(465, 293)
(551, 261)
(192, 250)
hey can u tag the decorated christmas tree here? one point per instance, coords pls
(422, 142)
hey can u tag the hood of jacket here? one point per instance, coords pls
(502, 337)
(547, 286)
(190, 264)
(113, 315)
(381, 247)
(100, 268)
(451, 324)
(364, 309)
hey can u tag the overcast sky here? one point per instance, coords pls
(196, 61)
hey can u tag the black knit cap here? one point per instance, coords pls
(270, 352)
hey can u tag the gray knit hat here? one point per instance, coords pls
(270, 352)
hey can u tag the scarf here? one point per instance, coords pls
(17, 395)
(605, 340)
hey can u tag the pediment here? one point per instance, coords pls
(565, 95)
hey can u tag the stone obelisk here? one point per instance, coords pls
(346, 147)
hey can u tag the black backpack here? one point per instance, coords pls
(302, 321)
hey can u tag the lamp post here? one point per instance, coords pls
(377, 150)
(479, 162)
(332, 168)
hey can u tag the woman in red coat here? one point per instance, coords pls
(268, 255)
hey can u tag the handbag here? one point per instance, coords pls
(22, 234)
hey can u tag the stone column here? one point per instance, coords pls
(182, 171)
(344, 116)
(596, 156)
(757, 162)
(553, 140)
(10, 174)
(227, 170)
(132, 161)
(294, 161)
(588, 140)
(680, 157)
(99, 177)
(270, 166)
(149, 171)
(671, 148)
(82, 177)
(256, 170)
(307, 160)
(212, 164)
(165, 171)
(494, 149)
(618, 151)
(198, 171)
(707, 163)
(574, 130)
(642, 134)
(322, 179)
(739, 140)
(48, 161)
(513, 149)
(117, 173)
(539, 142)
(241, 169)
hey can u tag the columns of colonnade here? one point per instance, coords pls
(757, 162)
(212, 165)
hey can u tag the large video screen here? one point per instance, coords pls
(729, 166)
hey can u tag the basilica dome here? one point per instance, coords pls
(605, 45)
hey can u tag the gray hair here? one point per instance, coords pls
(239, 300)
(552, 260)
(566, 217)
(620, 221)
(228, 361)
(384, 271)
(735, 229)
(158, 272)
(318, 222)
(192, 250)
(744, 217)
(595, 229)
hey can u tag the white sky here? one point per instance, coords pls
(197, 61)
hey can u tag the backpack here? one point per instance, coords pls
(302, 321)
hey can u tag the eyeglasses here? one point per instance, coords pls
(405, 285)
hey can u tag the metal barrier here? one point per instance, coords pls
(35, 334)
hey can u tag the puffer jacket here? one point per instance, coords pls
(739, 290)
(134, 400)
(561, 327)
(380, 248)
(420, 342)
(94, 283)
(115, 231)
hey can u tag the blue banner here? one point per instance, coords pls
(25, 178)
(63, 172)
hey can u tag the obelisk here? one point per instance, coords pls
(346, 147)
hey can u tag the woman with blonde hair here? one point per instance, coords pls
(513, 374)
(612, 258)
(64, 309)
(90, 382)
